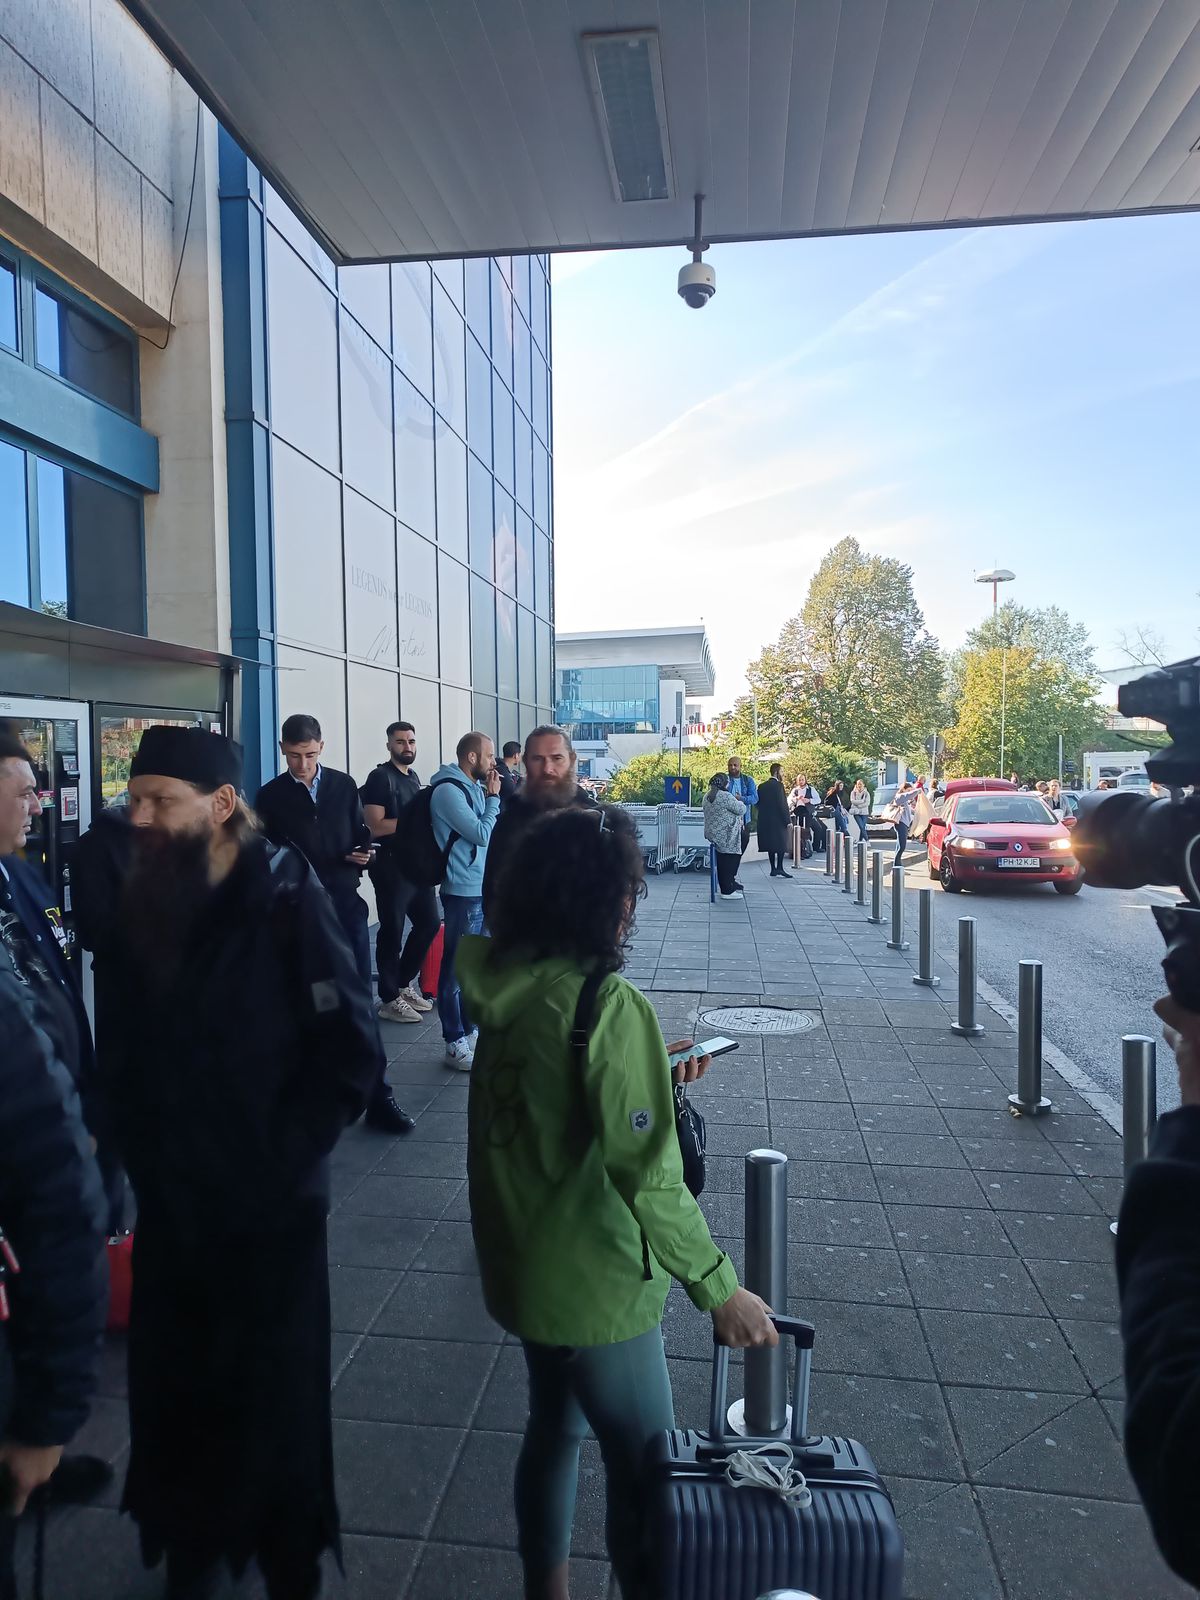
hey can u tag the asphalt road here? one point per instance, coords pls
(1100, 952)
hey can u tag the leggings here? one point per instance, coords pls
(623, 1392)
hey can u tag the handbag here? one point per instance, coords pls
(689, 1124)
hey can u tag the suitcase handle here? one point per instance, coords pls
(804, 1335)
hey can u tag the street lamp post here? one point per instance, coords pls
(996, 577)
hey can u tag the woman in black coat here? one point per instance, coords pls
(773, 821)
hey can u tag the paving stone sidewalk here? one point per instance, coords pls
(956, 1261)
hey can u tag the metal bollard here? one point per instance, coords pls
(796, 835)
(860, 872)
(1028, 1100)
(846, 865)
(876, 887)
(765, 1411)
(837, 855)
(1139, 1095)
(897, 941)
(829, 853)
(966, 1026)
(924, 973)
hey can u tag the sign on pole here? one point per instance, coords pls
(677, 791)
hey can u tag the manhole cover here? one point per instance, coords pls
(758, 1019)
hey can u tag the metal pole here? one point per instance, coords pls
(924, 974)
(829, 852)
(1028, 1100)
(876, 887)
(1139, 1098)
(712, 874)
(846, 865)
(897, 941)
(966, 1026)
(837, 854)
(860, 864)
(765, 1411)
(1003, 705)
(1059, 761)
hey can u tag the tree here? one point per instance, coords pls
(1043, 699)
(640, 781)
(856, 668)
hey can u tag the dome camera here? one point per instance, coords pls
(697, 284)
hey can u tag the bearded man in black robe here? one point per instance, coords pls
(250, 1043)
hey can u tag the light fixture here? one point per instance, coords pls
(625, 75)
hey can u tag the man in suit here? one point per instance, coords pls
(317, 810)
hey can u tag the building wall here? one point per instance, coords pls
(389, 487)
(86, 179)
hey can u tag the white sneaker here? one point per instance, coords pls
(398, 1010)
(413, 997)
(736, 894)
(460, 1054)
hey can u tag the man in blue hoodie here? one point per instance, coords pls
(464, 809)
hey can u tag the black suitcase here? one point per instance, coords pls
(712, 1541)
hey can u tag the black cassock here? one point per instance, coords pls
(773, 817)
(234, 1085)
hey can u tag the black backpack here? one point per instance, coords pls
(689, 1124)
(414, 848)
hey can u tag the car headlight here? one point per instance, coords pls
(1060, 844)
(961, 842)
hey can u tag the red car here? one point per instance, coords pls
(985, 836)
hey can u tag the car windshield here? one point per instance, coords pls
(980, 808)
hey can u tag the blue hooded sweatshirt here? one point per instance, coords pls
(462, 807)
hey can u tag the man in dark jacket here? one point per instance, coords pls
(317, 809)
(252, 1044)
(51, 1211)
(773, 821)
(550, 783)
(1158, 1269)
(509, 772)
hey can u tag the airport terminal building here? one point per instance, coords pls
(236, 480)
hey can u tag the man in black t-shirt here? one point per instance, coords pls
(398, 960)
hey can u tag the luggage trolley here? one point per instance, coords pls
(692, 852)
(645, 820)
(668, 837)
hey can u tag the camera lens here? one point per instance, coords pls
(1127, 840)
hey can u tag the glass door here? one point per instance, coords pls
(118, 732)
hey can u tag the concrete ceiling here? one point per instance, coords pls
(413, 128)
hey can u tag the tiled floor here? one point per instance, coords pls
(956, 1262)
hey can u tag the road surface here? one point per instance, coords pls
(1100, 952)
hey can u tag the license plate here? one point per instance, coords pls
(1018, 861)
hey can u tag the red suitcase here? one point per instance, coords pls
(432, 965)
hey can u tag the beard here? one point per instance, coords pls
(166, 887)
(551, 794)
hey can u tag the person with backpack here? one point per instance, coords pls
(388, 789)
(579, 1208)
(464, 805)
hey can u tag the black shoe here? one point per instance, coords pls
(740, 888)
(385, 1116)
(79, 1479)
(782, 874)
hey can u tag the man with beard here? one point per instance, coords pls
(550, 784)
(250, 1045)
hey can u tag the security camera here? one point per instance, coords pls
(697, 284)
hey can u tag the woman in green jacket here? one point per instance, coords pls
(578, 1205)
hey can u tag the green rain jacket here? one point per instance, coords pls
(578, 1205)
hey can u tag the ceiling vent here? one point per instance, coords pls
(625, 74)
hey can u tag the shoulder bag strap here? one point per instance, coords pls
(582, 1026)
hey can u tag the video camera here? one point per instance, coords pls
(1125, 840)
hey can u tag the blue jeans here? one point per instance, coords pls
(622, 1391)
(842, 822)
(862, 825)
(461, 914)
(901, 842)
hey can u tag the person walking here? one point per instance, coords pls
(743, 787)
(389, 788)
(317, 810)
(835, 800)
(579, 1212)
(904, 806)
(251, 1043)
(551, 782)
(860, 806)
(509, 768)
(773, 821)
(723, 820)
(53, 1210)
(464, 808)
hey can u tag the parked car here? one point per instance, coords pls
(986, 836)
(884, 794)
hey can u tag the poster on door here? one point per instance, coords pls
(70, 805)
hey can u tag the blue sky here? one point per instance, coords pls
(1027, 397)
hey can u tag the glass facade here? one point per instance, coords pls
(70, 529)
(594, 702)
(393, 496)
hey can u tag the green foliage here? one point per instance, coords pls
(1044, 697)
(856, 668)
(640, 781)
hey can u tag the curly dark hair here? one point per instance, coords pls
(569, 887)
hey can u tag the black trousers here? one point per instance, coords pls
(745, 836)
(398, 960)
(727, 866)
